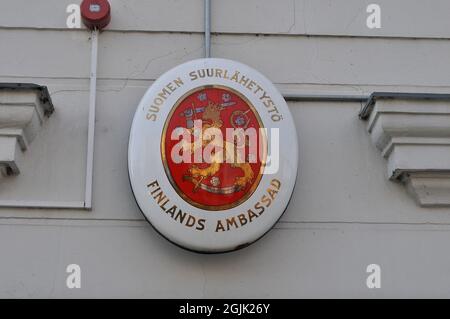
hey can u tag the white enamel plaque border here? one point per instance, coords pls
(146, 166)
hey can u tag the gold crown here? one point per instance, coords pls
(212, 112)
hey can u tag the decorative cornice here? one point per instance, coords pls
(23, 109)
(412, 131)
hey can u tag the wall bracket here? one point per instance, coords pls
(412, 131)
(23, 109)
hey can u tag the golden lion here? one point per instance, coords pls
(211, 119)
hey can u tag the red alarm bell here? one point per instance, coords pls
(96, 14)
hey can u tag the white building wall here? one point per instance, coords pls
(344, 215)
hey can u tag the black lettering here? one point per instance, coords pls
(201, 224)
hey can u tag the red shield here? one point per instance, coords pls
(219, 186)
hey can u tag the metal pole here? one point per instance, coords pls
(325, 97)
(207, 28)
(91, 125)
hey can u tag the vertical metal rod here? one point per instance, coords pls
(207, 28)
(91, 125)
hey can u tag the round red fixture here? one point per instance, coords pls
(96, 14)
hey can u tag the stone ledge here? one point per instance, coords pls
(429, 189)
(23, 109)
(412, 131)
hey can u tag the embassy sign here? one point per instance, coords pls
(212, 155)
